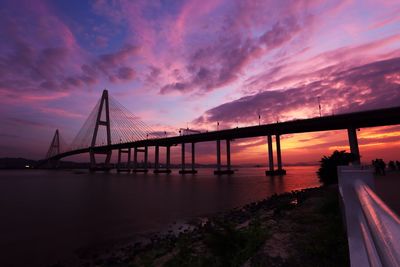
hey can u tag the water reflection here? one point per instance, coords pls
(46, 215)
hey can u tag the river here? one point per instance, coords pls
(46, 215)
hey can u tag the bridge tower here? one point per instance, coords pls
(104, 122)
(54, 149)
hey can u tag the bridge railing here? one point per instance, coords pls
(373, 229)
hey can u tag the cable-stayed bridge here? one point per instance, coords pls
(110, 126)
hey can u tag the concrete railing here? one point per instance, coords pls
(373, 229)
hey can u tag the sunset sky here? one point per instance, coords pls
(192, 63)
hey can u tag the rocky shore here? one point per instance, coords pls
(301, 228)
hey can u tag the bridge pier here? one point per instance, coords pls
(193, 158)
(228, 170)
(157, 163)
(270, 157)
(146, 157)
(218, 155)
(135, 153)
(271, 171)
(228, 154)
(352, 133)
(136, 150)
(280, 170)
(168, 157)
(156, 159)
(105, 166)
(119, 164)
(183, 166)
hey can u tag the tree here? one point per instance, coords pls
(327, 173)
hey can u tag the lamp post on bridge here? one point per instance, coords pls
(319, 106)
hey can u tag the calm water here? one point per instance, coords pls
(47, 215)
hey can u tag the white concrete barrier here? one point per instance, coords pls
(373, 229)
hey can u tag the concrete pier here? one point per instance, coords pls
(135, 153)
(218, 155)
(168, 160)
(219, 171)
(183, 168)
(193, 158)
(156, 157)
(136, 168)
(126, 168)
(183, 156)
(271, 170)
(228, 154)
(146, 157)
(157, 168)
(280, 170)
(352, 133)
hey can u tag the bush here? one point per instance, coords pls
(327, 173)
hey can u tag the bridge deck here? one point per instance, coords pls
(371, 118)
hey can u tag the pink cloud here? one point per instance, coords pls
(229, 46)
(213, 67)
(292, 73)
(369, 86)
(392, 17)
(10, 96)
(60, 112)
(40, 52)
(190, 14)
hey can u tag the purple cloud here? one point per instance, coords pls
(369, 86)
(222, 63)
(41, 52)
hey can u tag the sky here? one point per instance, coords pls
(191, 63)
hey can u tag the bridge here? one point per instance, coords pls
(110, 126)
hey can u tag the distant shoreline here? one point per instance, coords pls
(22, 164)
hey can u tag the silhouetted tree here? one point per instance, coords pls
(327, 173)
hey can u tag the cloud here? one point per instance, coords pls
(27, 123)
(40, 52)
(370, 86)
(126, 73)
(153, 75)
(292, 73)
(60, 112)
(14, 97)
(210, 44)
(222, 63)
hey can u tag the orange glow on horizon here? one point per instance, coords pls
(310, 147)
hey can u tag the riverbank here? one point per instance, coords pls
(302, 228)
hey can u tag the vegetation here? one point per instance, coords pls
(223, 245)
(320, 236)
(327, 173)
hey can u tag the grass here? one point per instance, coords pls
(321, 238)
(223, 245)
